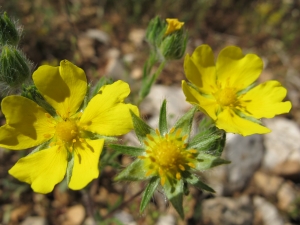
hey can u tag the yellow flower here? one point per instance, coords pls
(167, 155)
(68, 133)
(225, 92)
(173, 25)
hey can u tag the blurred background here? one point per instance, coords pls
(106, 38)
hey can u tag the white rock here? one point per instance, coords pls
(125, 218)
(267, 211)
(176, 104)
(137, 36)
(34, 220)
(98, 35)
(166, 220)
(282, 154)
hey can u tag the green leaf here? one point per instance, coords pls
(148, 193)
(174, 192)
(102, 81)
(205, 140)
(135, 171)
(163, 125)
(219, 144)
(129, 150)
(206, 161)
(185, 122)
(140, 127)
(194, 180)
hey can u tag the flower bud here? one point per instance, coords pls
(15, 68)
(155, 31)
(174, 44)
(9, 32)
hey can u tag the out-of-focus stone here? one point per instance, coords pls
(166, 220)
(137, 36)
(98, 35)
(227, 211)
(75, 215)
(267, 211)
(245, 154)
(176, 104)
(282, 154)
(266, 184)
(34, 220)
(86, 47)
(125, 218)
(137, 73)
(286, 196)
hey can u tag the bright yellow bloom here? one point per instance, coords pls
(173, 25)
(225, 93)
(167, 156)
(68, 133)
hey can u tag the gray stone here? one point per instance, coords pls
(267, 211)
(34, 220)
(166, 220)
(282, 154)
(227, 211)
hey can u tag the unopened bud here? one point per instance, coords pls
(10, 33)
(155, 31)
(15, 68)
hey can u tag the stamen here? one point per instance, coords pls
(141, 157)
(163, 181)
(192, 165)
(184, 137)
(149, 172)
(181, 167)
(74, 140)
(157, 132)
(172, 130)
(178, 132)
(150, 137)
(48, 115)
(148, 151)
(178, 176)
(161, 172)
(146, 143)
(193, 151)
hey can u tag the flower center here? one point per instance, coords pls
(226, 96)
(66, 130)
(167, 156)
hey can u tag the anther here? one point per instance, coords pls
(150, 137)
(193, 151)
(149, 172)
(47, 136)
(178, 132)
(146, 143)
(178, 176)
(172, 130)
(163, 181)
(191, 165)
(74, 140)
(184, 137)
(141, 157)
(181, 167)
(48, 115)
(157, 132)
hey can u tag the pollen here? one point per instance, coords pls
(67, 131)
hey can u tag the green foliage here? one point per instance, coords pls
(163, 125)
(128, 150)
(135, 171)
(174, 192)
(148, 193)
(140, 127)
(186, 121)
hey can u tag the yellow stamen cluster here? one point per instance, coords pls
(167, 156)
(226, 97)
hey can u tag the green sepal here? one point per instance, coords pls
(174, 192)
(128, 150)
(134, 172)
(70, 167)
(206, 141)
(186, 121)
(102, 81)
(207, 161)
(218, 146)
(40, 147)
(195, 181)
(31, 92)
(163, 125)
(148, 193)
(140, 127)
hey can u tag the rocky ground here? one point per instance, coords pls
(260, 186)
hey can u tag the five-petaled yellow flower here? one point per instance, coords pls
(173, 25)
(224, 90)
(69, 132)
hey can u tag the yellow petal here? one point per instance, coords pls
(200, 69)
(27, 124)
(86, 163)
(63, 87)
(232, 123)
(236, 70)
(173, 25)
(106, 114)
(208, 105)
(265, 100)
(42, 170)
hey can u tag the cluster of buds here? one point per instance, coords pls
(167, 38)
